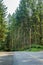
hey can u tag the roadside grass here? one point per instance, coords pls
(35, 48)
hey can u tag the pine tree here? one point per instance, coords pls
(3, 28)
(23, 19)
(40, 12)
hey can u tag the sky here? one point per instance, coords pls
(12, 5)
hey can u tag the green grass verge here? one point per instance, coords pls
(35, 49)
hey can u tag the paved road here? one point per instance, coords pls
(6, 58)
(28, 58)
(22, 58)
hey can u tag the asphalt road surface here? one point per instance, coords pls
(6, 58)
(22, 58)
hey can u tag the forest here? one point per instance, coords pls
(23, 29)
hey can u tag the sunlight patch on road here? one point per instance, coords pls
(26, 60)
(5, 53)
(40, 60)
(35, 57)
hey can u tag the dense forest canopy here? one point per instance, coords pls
(24, 27)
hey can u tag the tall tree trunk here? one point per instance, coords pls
(40, 30)
(35, 34)
(30, 38)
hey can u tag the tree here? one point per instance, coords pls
(40, 10)
(23, 19)
(3, 28)
(25, 26)
(8, 38)
(11, 32)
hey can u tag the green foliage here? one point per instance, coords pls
(2, 22)
(3, 26)
(25, 26)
